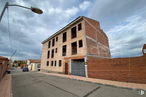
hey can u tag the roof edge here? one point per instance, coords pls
(75, 20)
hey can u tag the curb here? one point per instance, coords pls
(11, 86)
(128, 88)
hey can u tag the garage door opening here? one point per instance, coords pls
(78, 67)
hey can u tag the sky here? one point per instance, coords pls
(124, 22)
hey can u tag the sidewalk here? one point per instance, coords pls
(5, 86)
(103, 82)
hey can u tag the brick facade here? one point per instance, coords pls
(132, 69)
(96, 39)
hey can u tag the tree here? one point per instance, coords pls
(21, 63)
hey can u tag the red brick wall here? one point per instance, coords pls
(131, 69)
(91, 47)
(90, 31)
(93, 22)
(100, 38)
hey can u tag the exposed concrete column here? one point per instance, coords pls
(70, 64)
(86, 70)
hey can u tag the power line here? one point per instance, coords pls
(9, 29)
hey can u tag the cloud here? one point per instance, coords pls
(123, 22)
(127, 38)
(84, 5)
(72, 11)
(111, 12)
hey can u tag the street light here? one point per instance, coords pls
(33, 9)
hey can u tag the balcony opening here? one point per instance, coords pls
(73, 32)
(52, 53)
(48, 54)
(64, 50)
(64, 37)
(79, 27)
(49, 44)
(80, 43)
(74, 48)
(53, 42)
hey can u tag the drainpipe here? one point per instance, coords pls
(86, 70)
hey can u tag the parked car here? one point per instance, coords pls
(8, 72)
(25, 69)
(39, 69)
(12, 68)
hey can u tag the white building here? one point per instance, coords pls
(33, 64)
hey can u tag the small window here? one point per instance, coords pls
(49, 44)
(80, 43)
(52, 63)
(73, 32)
(56, 50)
(52, 53)
(59, 62)
(53, 42)
(79, 27)
(56, 39)
(64, 50)
(74, 48)
(47, 63)
(64, 37)
(55, 63)
(48, 54)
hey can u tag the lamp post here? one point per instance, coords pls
(33, 9)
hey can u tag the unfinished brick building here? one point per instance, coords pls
(67, 50)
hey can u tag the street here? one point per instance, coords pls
(33, 84)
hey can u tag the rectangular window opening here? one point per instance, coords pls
(48, 54)
(53, 42)
(56, 39)
(52, 63)
(80, 43)
(49, 44)
(52, 53)
(64, 37)
(74, 48)
(56, 50)
(64, 50)
(47, 63)
(55, 63)
(79, 27)
(60, 63)
(73, 32)
(1, 63)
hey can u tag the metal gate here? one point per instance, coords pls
(78, 67)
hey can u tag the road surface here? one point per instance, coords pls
(33, 84)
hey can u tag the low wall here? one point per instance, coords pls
(132, 69)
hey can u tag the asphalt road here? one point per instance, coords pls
(32, 84)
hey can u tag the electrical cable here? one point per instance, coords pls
(9, 29)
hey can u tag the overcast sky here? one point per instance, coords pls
(124, 22)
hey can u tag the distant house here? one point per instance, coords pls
(23, 66)
(24, 60)
(33, 64)
(4, 62)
